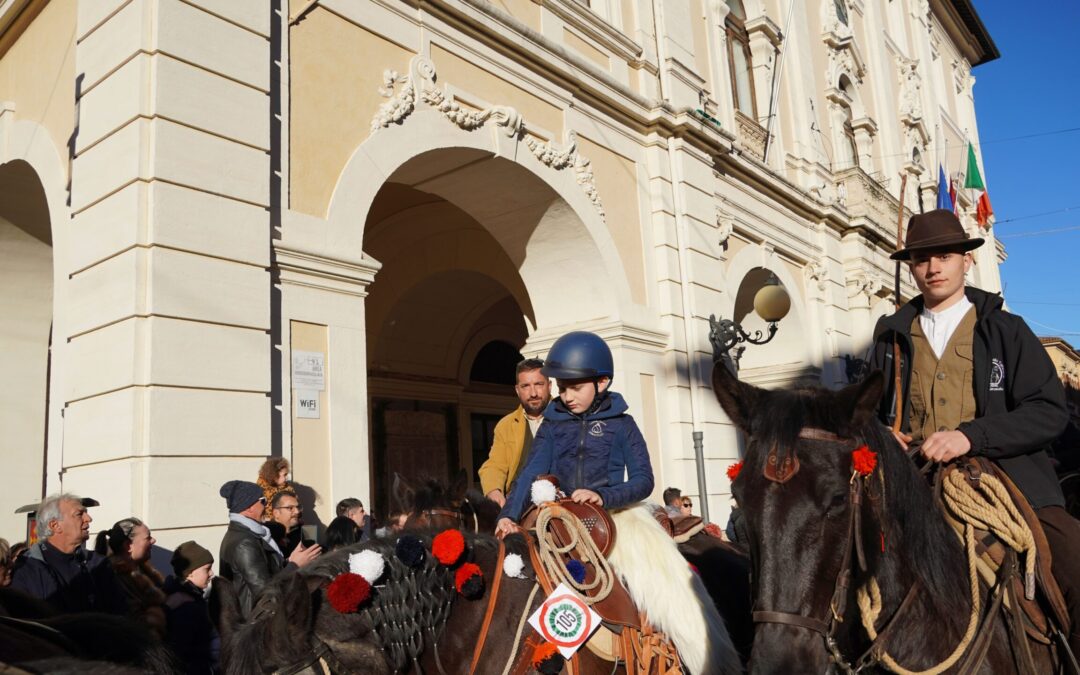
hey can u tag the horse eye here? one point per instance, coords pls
(838, 501)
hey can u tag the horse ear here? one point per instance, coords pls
(862, 399)
(460, 486)
(404, 493)
(738, 399)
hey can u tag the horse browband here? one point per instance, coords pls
(781, 469)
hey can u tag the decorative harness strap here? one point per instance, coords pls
(493, 598)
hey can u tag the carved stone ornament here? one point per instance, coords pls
(725, 227)
(405, 93)
(910, 88)
(863, 284)
(815, 271)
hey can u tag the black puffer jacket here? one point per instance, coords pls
(1019, 401)
(249, 563)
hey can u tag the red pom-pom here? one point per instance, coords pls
(448, 546)
(864, 460)
(469, 581)
(347, 592)
(733, 471)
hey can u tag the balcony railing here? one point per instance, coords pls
(868, 202)
(751, 134)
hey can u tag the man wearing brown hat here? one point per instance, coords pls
(976, 380)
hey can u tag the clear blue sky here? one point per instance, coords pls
(1034, 88)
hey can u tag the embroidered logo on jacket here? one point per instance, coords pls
(997, 375)
(597, 428)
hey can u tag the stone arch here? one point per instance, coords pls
(566, 233)
(33, 218)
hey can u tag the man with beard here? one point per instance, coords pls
(59, 570)
(515, 432)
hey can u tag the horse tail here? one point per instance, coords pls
(662, 584)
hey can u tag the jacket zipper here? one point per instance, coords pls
(581, 455)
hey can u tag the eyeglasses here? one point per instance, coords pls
(294, 507)
(262, 500)
(688, 504)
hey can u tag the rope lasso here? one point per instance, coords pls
(869, 599)
(582, 544)
(988, 506)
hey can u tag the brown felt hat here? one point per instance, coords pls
(937, 229)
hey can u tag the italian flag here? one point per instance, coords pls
(983, 210)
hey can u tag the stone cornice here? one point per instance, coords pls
(299, 267)
(582, 18)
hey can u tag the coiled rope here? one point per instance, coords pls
(987, 506)
(583, 547)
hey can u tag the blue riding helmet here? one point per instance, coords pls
(579, 355)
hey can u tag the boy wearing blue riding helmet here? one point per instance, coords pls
(587, 440)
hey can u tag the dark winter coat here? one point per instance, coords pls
(1019, 401)
(602, 451)
(191, 635)
(249, 563)
(82, 581)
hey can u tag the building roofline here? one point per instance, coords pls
(959, 18)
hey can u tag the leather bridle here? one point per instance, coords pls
(827, 628)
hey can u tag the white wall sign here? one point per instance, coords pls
(307, 404)
(307, 370)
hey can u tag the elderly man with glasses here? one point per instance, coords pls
(249, 555)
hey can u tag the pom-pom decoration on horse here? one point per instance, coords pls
(514, 566)
(863, 460)
(733, 471)
(448, 546)
(347, 592)
(543, 491)
(469, 581)
(547, 659)
(576, 570)
(410, 550)
(368, 564)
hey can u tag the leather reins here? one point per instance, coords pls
(838, 603)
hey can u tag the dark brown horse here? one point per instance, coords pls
(726, 573)
(795, 489)
(294, 629)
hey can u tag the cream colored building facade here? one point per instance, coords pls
(194, 192)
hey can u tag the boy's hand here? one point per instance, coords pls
(582, 496)
(945, 446)
(505, 527)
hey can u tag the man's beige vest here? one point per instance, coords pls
(942, 392)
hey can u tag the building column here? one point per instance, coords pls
(170, 293)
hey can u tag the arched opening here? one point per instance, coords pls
(26, 312)
(473, 250)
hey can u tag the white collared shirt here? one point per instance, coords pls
(940, 326)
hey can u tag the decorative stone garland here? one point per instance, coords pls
(419, 86)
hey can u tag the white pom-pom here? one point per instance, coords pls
(368, 564)
(543, 491)
(513, 565)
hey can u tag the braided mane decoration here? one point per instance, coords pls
(410, 608)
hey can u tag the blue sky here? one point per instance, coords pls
(1034, 88)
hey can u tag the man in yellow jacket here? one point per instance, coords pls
(515, 432)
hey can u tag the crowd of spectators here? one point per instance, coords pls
(265, 536)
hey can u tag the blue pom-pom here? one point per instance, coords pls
(410, 550)
(576, 570)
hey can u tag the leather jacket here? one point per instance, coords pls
(249, 563)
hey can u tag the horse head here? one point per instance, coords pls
(434, 505)
(818, 528)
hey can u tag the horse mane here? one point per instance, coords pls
(911, 520)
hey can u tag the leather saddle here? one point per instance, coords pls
(992, 551)
(617, 609)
